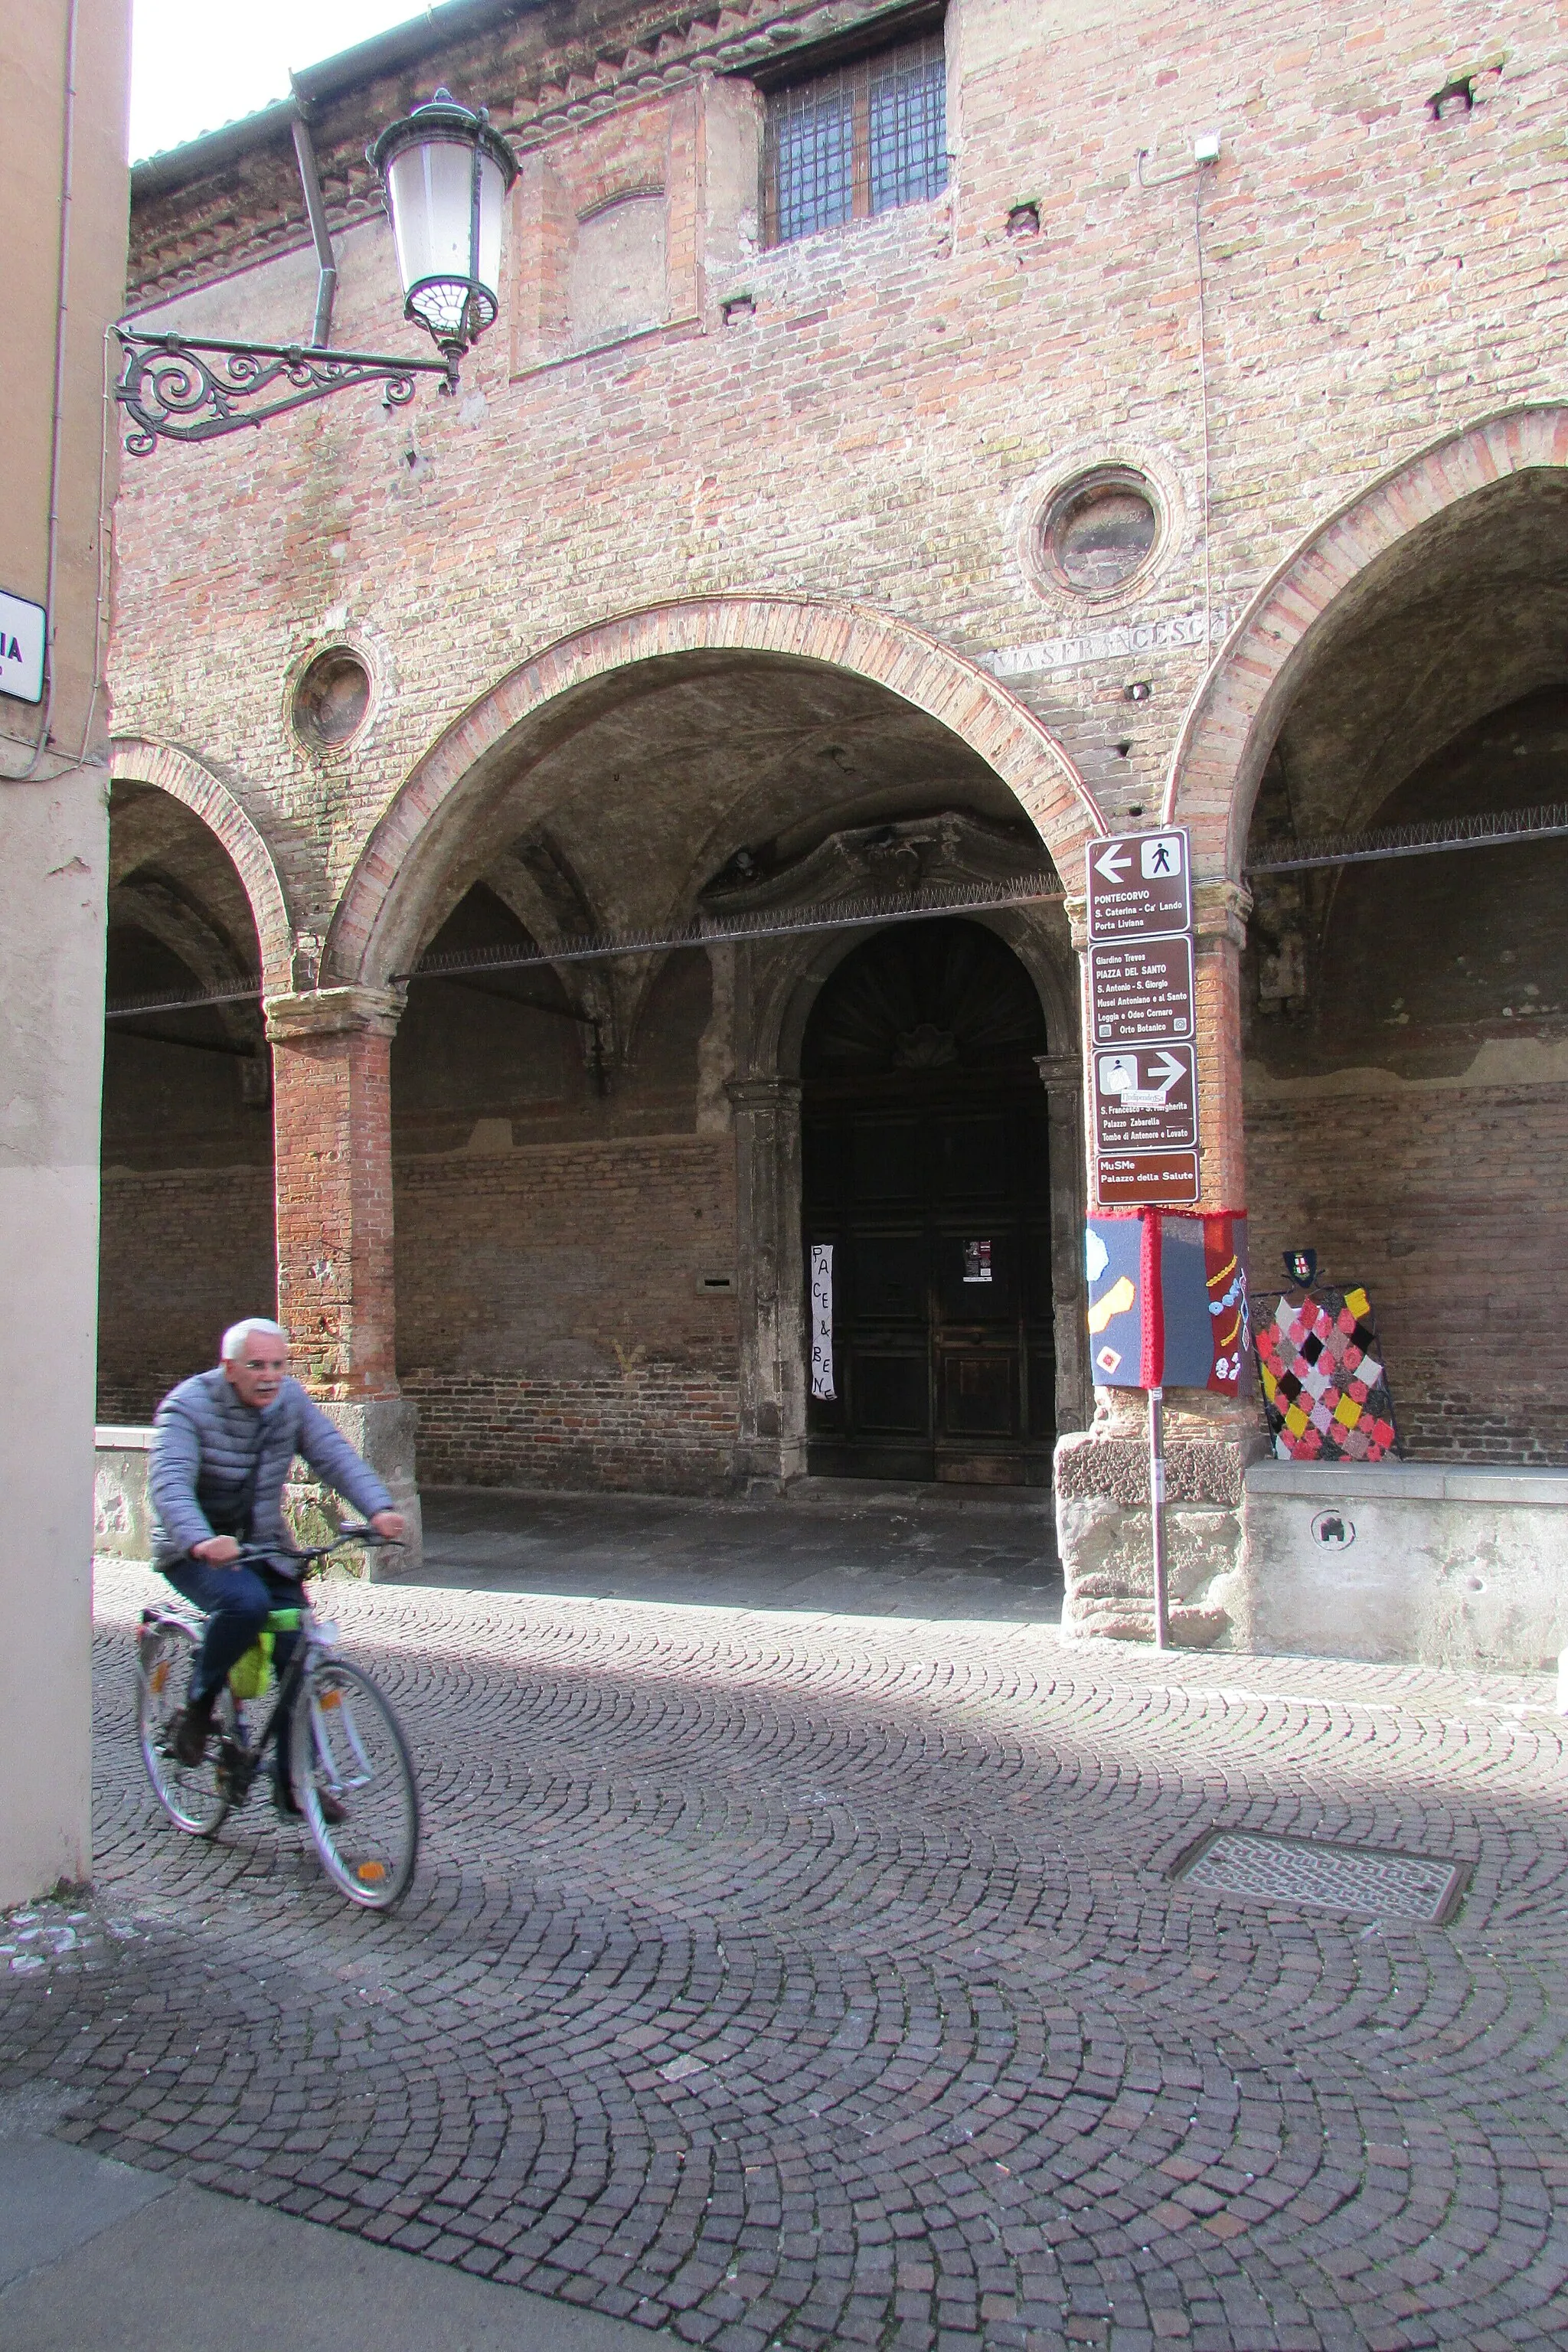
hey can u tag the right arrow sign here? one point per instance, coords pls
(1146, 1099)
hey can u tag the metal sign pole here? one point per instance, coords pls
(1157, 1516)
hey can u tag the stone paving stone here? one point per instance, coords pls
(957, 2067)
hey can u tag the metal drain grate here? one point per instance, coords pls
(1310, 1871)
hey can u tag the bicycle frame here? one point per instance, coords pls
(238, 1765)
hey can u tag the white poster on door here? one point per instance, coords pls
(822, 1321)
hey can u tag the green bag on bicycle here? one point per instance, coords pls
(249, 1676)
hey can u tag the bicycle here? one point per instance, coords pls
(348, 1761)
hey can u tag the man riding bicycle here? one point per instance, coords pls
(222, 1445)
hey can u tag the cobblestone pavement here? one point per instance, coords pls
(810, 1980)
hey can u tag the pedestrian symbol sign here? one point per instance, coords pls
(1139, 886)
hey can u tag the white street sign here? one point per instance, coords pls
(23, 628)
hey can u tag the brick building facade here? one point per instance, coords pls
(896, 462)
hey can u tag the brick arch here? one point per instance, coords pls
(377, 921)
(1236, 714)
(135, 759)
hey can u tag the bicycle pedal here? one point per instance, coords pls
(234, 1773)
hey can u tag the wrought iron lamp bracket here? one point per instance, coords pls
(182, 388)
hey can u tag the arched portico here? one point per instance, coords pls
(1404, 1020)
(1228, 732)
(135, 759)
(187, 1187)
(1366, 1090)
(252, 1209)
(621, 783)
(384, 910)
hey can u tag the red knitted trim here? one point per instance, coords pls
(1152, 1286)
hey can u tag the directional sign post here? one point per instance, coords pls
(1142, 1021)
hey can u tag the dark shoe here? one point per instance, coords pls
(188, 1733)
(332, 1813)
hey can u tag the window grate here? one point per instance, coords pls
(858, 141)
(814, 170)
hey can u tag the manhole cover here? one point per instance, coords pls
(1380, 1885)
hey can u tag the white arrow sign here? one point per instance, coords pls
(1114, 863)
(1168, 1070)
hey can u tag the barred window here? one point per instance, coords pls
(856, 141)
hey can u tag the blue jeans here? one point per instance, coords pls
(237, 1602)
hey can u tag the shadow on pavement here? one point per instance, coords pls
(861, 1549)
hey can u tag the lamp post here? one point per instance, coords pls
(444, 175)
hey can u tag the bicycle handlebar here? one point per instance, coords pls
(366, 1536)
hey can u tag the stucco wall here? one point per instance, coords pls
(53, 880)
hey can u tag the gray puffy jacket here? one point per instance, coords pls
(204, 1444)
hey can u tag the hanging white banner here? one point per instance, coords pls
(822, 1321)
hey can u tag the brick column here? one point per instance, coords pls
(332, 1130)
(1220, 910)
(1102, 1473)
(772, 1444)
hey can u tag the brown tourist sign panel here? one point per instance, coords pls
(1141, 992)
(1125, 1179)
(1139, 884)
(1146, 1098)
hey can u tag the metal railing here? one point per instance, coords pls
(1500, 830)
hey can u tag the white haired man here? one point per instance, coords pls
(222, 1445)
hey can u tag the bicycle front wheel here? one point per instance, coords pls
(191, 1795)
(347, 1748)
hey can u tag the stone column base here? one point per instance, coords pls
(1104, 1539)
(381, 1429)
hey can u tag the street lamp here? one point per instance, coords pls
(445, 174)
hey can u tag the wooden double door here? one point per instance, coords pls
(937, 1208)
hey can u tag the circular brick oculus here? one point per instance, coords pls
(1099, 532)
(331, 699)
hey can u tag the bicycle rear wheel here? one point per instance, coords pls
(189, 1794)
(347, 1745)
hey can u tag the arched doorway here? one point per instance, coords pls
(926, 1169)
(187, 1235)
